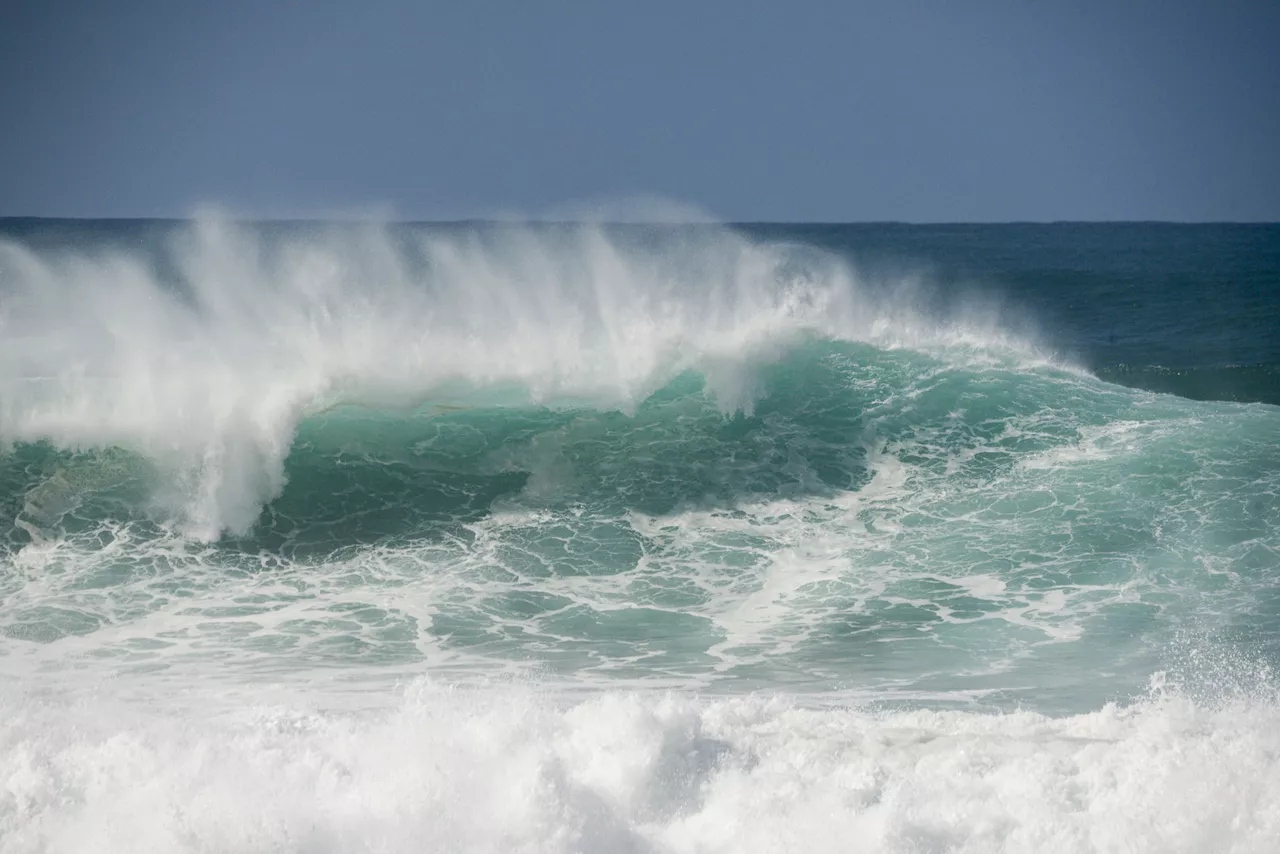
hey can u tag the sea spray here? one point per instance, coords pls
(553, 538)
(206, 357)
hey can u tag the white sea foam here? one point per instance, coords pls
(158, 693)
(208, 370)
(508, 769)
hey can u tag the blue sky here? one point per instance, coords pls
(830, 111)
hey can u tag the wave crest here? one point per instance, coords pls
(205, 356)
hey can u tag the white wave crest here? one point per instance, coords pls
(207, 369)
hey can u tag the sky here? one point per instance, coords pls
(982, 110)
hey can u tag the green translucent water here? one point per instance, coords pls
(881, 520)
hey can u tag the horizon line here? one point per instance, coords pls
(6, 218)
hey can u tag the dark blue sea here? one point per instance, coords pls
(321, 537)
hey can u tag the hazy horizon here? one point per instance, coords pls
(536, 220)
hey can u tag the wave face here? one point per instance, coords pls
(205, 356)
(673, 538)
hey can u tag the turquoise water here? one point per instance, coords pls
(707, 526)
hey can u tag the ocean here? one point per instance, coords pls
(339, 537)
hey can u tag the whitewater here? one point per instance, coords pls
(564, 537)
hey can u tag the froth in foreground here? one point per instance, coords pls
(510, 770)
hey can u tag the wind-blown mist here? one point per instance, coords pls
(205, 358)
